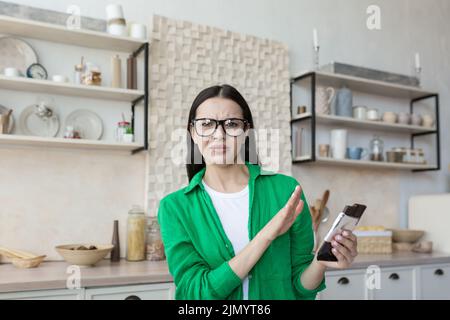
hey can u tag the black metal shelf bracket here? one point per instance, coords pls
(312, 117)
(435, 132)
(145, 49)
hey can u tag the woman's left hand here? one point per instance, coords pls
(344, 248)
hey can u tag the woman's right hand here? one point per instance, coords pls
(284, 219)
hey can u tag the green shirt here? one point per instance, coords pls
(198, 249)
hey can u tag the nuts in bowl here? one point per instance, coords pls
(83, 254)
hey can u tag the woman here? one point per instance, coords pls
(236, 231)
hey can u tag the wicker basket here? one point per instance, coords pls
(374, 241)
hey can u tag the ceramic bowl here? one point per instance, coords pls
(83, 257)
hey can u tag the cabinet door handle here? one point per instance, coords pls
(439, 272)
(132, 297)
(343, 280)
(394, 276)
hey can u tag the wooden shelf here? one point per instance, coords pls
(6, 139)
(61, 34)
(370, 164)
(68, 89)
(368, 86)
(365, 124)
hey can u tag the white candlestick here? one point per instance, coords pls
(315, 39)
(417, 61)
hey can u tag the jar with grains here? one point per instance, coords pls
(155, 246)
(136, 230)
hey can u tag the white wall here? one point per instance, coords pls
(408, 26)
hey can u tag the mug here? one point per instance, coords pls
(59, 78)
(324, 150)
(324, 97)
(138, 31)
(356, 153)
(427, 121)
(416, 120)
(404, 118)
(11, 72)
(372, 115)
(360, 112)
(390, 117)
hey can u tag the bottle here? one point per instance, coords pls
(79, 71)
(155, 246)
(131, 72)
(115, 253)
(376, 149)
(116, 71)
(136, 230)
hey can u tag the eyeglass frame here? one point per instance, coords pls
(221, 123)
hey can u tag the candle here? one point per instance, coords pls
(417, 61)
(315, 39)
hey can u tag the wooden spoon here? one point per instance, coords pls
(323, 203)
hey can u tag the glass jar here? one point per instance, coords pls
(123, 128)
(421, 156)
(414, 156)
(136, 230)
(376, 149)
(155, 246)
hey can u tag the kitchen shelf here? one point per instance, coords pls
(6, 139)
(367, 85)
(380, 88)
(365, 124)
(68, 89)
(84, 38)
(61, 34)
(371, 164)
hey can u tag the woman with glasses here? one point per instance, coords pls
(237, 231)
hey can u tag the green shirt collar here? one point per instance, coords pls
(253, 169)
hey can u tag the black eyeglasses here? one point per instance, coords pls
(206, 127)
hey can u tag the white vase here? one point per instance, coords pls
(338, 143)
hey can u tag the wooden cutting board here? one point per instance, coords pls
(431, 213)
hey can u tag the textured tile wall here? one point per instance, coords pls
(185, 59)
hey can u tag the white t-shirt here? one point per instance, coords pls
(232, 209)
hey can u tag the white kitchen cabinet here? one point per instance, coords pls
(59, 294)
(435, 282)
(396, 284)
(345, 285)
(159, 291)
(422, 282)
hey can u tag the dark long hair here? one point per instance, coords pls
(227, 92)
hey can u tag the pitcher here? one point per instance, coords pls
(324, 97)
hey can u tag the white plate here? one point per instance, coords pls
(88, 123)
(16, 53)
(32, 125)
(4, 110)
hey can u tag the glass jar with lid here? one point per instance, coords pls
(155, 246)
(136, 232)
(376, 149)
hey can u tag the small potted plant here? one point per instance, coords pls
(128, 137)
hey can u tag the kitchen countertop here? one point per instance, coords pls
(52, 275)
(398, 259)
